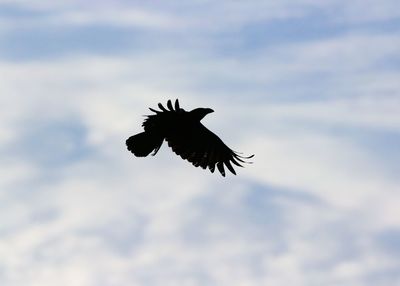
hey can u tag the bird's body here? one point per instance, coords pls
(186, 136)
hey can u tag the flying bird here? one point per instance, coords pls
(186, 136)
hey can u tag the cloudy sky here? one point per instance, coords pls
(311, 87)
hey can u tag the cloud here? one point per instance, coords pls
(325, 166)
(319, 206)
(356, 12)
(367, 112)
(75, 16)
(175, 17)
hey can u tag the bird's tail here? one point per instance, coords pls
(144, 143)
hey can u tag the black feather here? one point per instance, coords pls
(169, 105)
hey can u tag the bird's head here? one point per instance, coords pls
(199, 113)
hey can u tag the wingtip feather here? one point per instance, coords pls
(169, 105)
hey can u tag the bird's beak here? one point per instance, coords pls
(209, 110)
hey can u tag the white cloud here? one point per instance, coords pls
(377, 112)
(127, 17)
(197, 15)
(360, 11)
(110, 15)
(14, 173)
(333, 169)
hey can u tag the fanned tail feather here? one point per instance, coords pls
(144, 143)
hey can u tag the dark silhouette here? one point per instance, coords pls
(186, 136)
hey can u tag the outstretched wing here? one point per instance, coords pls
(203, 148)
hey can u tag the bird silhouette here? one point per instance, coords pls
(186, 136)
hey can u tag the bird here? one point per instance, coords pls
(187, 137)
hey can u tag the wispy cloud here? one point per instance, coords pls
(130, 17)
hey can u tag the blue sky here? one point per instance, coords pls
(311, 87)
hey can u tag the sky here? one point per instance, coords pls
(310, 87)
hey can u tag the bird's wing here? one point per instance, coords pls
(203, 148)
